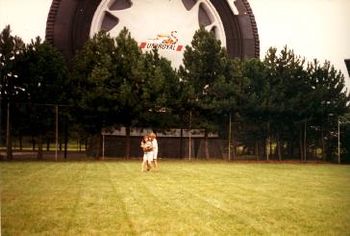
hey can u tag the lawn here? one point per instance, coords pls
(182, 198)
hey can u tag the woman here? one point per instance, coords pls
(146, 145)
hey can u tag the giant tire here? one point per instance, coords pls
(69, 21)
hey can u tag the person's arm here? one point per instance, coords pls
(143, 145)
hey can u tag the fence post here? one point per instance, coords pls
(103, 146)
(8, 134)
(229, 137)
(189, 138)
(56, 133)
(339, 141)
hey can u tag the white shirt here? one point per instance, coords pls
(155, 148)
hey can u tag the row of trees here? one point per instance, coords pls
(35, 75)
(282, 101)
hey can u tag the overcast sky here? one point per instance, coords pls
(312, 28)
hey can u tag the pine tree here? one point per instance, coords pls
(11, 48)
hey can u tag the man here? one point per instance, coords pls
(154, 149)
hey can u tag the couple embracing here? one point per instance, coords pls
(149, 146)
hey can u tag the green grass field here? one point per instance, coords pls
(183, 198)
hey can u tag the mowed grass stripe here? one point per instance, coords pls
(283, 196)
(218, 181)
(101, 208)
(138, 199)
(151, 203)
(183, 198)
(41, 199)
(24, 176)
(192, 189)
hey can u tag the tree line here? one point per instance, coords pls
(280, 106)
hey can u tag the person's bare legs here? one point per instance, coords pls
(149, 165)
(156, 167)
(143, 166)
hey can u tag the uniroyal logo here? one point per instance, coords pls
(163, 41)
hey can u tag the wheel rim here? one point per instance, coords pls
(170, 26)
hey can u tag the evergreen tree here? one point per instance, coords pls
(209, 82)
(161, 92)
(256, 115)
(44, 80)
(11, 48)
(96, 84)
(288, 88)
(119, 86)
(329, 100)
